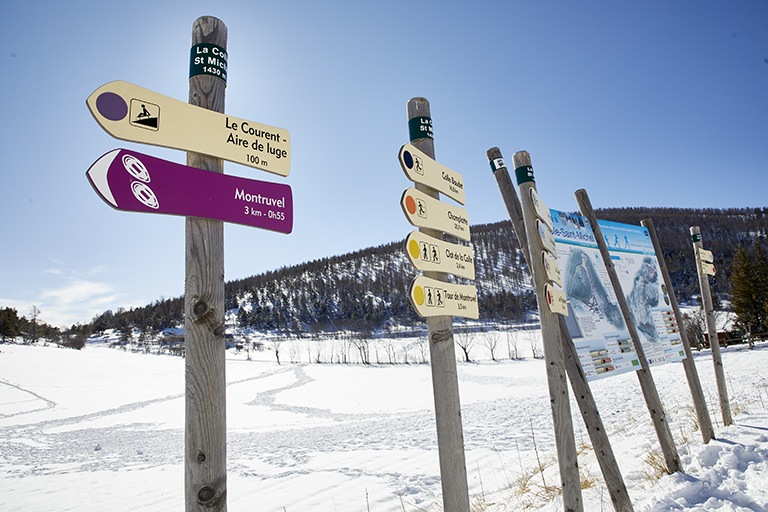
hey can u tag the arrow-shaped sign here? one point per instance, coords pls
(132, 113)
(428, 253)
(708, 268)
(541, 209)
(558, 302)
(132, 181)
(552, 268)
(706, 255)
(430, 297)
(424, 211)
(420, 168)
(547, 237)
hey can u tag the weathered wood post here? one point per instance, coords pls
(652, 400)
(699, 403)
(579, 385)
(205, 440)
(550, 334)
(714, 343)
(445, 381)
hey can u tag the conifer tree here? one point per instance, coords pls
(749, 289)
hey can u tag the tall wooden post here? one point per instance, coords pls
(699, 403)
(553, 355)
(445, 381)
(651, 394)
(714, 343)
(579, 385)
(205, 440)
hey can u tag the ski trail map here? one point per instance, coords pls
(594, 318)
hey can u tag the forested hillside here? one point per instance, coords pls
(366, 290)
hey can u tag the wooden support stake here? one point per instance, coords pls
(579, 385)
(553, 355)
(445, 381)
(714, 343)
(652, 400)
(699, 403)
(205, 439)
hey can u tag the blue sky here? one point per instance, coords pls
(651, 103)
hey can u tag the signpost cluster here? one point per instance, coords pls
(431, 295)
(131, 181)
(589, 282)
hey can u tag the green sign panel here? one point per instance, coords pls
(208, 59)
(420, 128)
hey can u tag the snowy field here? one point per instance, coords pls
(103, 429)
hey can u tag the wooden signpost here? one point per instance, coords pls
(131, 181)
(650, 393)
(423, 209)
(552, 305)
(694, 384)
(581, 390)
(709, 314)
(132, 113)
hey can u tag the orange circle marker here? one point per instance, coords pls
(410, 205)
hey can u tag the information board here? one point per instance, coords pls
(595, 321)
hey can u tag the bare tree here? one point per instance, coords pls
(389, 349)
(361, 341)
(491, 341)
(513, 338)
(423, 346)
(534, 339)
(465, 340)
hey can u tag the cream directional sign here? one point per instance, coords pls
(430, 254)
(558, 303)
(424, 211)
(422, 169)
(552, 268)
(430, 297)
(706, 255)
(542, 211)
(132, 113)
(707, 268)
(547, 237)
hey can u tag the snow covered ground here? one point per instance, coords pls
(102, 429)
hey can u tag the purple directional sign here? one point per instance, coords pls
(131, 181)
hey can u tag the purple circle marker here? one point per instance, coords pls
(111, 106)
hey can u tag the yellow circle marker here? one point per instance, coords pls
(418, 295)
(413, 247)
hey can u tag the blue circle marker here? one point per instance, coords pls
(408, 159)
(112, 106)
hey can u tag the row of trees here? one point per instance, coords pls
(366, 291)
(30, 331)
